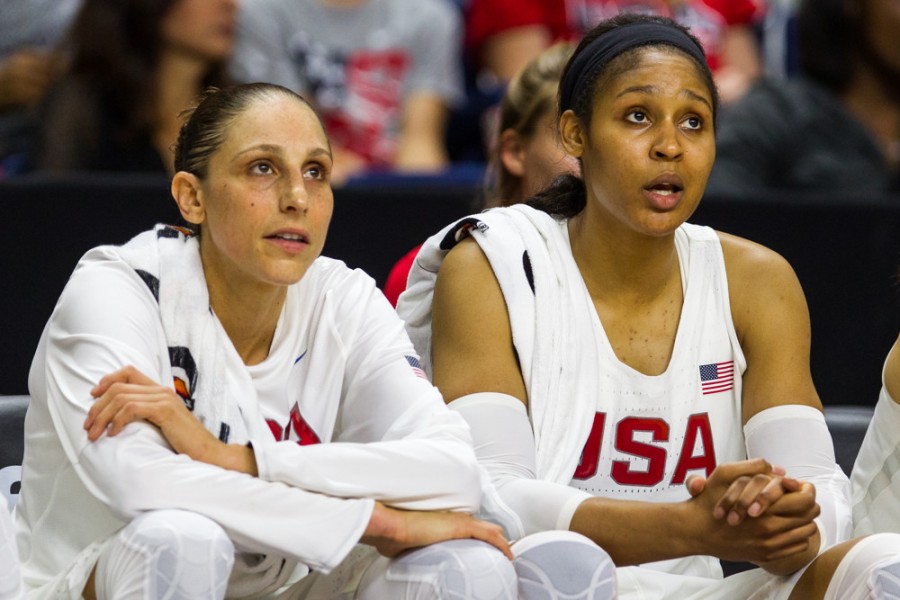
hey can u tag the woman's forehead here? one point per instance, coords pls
(658, 62)
(278, 117)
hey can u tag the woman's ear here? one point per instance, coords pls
(571, 134)
(512, 152)
(188, 194)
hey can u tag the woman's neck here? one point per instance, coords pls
(249, 322)
(634, 282)
(248, 312)
(621, 266)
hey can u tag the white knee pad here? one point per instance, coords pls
(166, 554)
(869, 571)
(552, 565)
(451, 570)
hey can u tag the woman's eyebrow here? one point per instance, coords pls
(654, 90)
(264, 147)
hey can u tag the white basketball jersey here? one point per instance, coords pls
(651, 432)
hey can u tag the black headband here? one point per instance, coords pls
(613, 43)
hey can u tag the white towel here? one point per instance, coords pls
(214, 383)
(556, 352)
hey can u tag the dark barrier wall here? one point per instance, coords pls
(846, 252)
(50, 222)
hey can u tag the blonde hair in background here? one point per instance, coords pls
(530, 95)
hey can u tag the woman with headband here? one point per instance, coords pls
(633, 377)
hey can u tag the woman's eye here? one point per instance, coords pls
(637, 116)
(693, 123)
(261, 168)
(315, 172)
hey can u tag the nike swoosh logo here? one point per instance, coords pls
(301, 356)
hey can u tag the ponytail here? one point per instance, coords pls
(566, 196)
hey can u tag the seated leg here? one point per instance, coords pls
(865, 568)
(455, 569)
(563, 564)
(166, 554)
(869, 571)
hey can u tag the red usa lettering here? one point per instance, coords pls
(628, 430)
(297, 429)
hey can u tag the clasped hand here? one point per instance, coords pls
(756, 513)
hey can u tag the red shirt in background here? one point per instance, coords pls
(570, 19)
(396, 279)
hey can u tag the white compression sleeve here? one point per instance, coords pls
(796, 437)
(504, 445)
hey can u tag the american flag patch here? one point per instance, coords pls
(416, 366)
(717, 377)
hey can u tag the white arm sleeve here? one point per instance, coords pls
(796, 437)
(395, 441)
(504, 445)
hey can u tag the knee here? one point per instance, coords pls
(180, 539)
(879, 560)
(177, 531)
(460, 568)
(167, 553)
(871, 568)
(563, 564)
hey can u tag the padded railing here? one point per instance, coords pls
(848, 425)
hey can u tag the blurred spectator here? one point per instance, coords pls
(779, 43)
(135, 65)
(503, 35)
(526, 155)
(835, 127)
(29, 32)
(383, 73)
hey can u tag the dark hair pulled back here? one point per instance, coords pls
(206, 124)
(566, 196)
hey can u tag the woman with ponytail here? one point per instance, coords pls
(631, 376)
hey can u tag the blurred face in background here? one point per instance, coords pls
(536, 159)
(204, 28)
(544, 159)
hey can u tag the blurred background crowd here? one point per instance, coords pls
(811, 88)
(439, 107)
